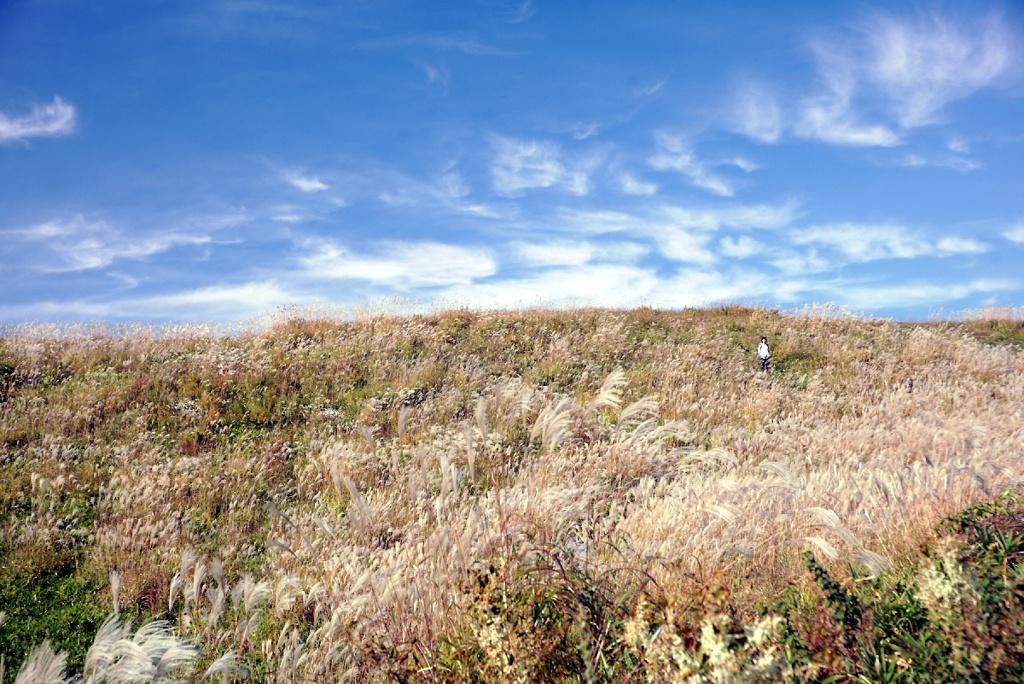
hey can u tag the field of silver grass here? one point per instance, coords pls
(331, 501)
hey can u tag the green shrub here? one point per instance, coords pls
(957, 617)
(55, 606)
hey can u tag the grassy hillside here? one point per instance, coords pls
(534, 496)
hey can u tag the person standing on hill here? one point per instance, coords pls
(764, 353)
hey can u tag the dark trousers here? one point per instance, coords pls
(764, 364)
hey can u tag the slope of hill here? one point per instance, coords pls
(587, 495)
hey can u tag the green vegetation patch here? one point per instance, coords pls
(62, 608)
(957, 616)
(997, 331)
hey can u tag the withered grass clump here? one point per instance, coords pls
(583, 495)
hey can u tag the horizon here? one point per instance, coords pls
(226, 162)
(391, 311)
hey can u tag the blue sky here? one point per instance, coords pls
(221, 160)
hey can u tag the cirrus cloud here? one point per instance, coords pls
(305, 183)
(400, 265)
(1015, 234)
(903, 68)
(675, 155)
(924, 64)
(55, 119)
(870, 242)
(520, 165)
(756, 113)
(78, 244)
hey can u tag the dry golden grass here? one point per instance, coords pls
(327, 501)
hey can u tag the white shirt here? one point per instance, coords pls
(762, 351)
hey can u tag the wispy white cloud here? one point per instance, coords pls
(520, 165)
(620, 252)
(127, 280)
(246, 299)
(229, 303)
(448, 191)
(673, 233)
(1015, 234)
(865, 242)
(871, 242)
(688, 246)
(400, 265)
(917, 293)
(919, 161)
(958, 145)
(960, 245)
(77, 244)
(756, 113)
(795, 263)
(263, 11)
(675, 155)
(651, 88)
(57, 309)
(924, 64)
(576, 252)
(741, 216)
(633, 186)
(744, 164)
(452, 186)
(682, 234)
(741, 247)
(517, 12)
(582, 131)
(959, 164)
(616, 284)
(55, 119)
(305, 183)
(830, 115)
(554, 252)
(670, 216)
(595, 222)
(439, 76)
(610, 285)
(705, 287)
(466, 43)
(908, 68)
